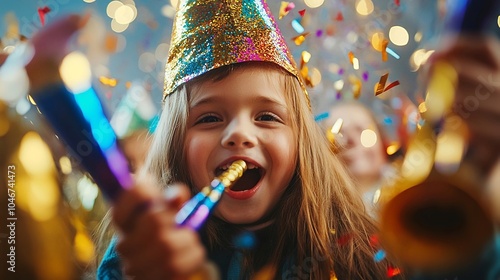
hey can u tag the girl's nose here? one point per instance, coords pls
(239, 134)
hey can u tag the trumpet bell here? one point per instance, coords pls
(437, 225)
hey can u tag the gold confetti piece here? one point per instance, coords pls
(356, 86)
(351, 57)
(393, 148)
(380, 86)
(298, 40)
(306, 56)
(111, 82)
(285, 8)
(385, 43)
(331, 135)
(283, 11)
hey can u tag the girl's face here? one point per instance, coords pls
(243, 116)
(363, 161)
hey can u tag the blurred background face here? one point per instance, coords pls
(362, 148)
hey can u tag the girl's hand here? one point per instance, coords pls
(50, 45)
(151, 245)
(477, 63)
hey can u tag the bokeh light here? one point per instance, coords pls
(161, 52)
(147, 62)
(355, 63)
(118, 27)
(314, 3)
(377, 40)
(364, 7)
(168, 11)
(75, 72)
(174, 3)
(368, 138)
(65, 164)
(418, 37)
(34, 154)
(124, 14)
(399, 36)
(112, 7)
(419, 58)
(315, 76)
(4, 125)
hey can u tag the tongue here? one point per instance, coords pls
(249, 179)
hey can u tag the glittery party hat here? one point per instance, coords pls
(208, 34)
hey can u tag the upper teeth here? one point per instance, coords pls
(249, 166)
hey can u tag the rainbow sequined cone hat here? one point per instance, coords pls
(208, 34)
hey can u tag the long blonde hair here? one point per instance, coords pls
(321, 206)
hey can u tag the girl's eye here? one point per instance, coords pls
(208, 119)
(268, 117)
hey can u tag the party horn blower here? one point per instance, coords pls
(194, 213)
(76, 114)
(434, 218)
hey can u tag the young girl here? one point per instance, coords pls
(233, 92)
(369, 165)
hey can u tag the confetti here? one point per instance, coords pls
(339, 17)
(356, 86)
(321, 117)
(298, 40)
(374, 240)
(319, 33)
(393, 271)
(379, 256)
(337, 126)
(285, 8)
(297, 26)
(380, 86)
(393, 53)
(245, 240)
(351, 57)
(304, 58)
(289, 7)
(365, 76)
(42, 12)
(111, 82)
(397, 2)
(302, 12)
(384, 43)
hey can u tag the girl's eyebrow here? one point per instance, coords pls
(261, 99)
(205, 100)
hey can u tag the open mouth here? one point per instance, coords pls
(248, 180)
